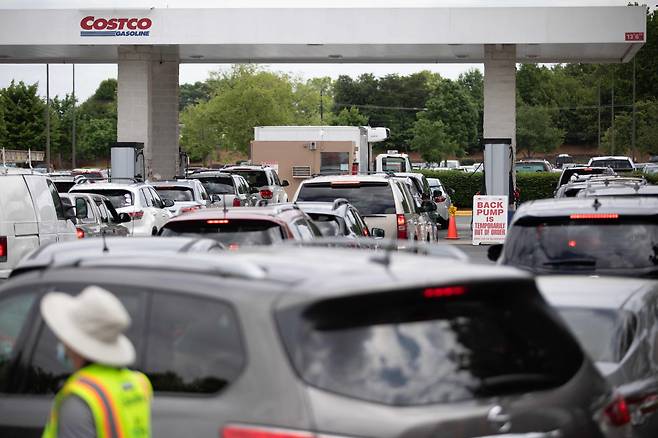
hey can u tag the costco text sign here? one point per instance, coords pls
(489, 219)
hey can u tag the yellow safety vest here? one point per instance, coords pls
(119, 400)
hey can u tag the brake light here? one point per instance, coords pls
(80, 233)
(188, 209)
(572, 244)
(136, 215)
(346, 183)
(234, 247)
(440, 292)
(262, 432)
(355, 168)
(217, 221)
(440, 199)
(236, 202)
(3, 248)
(617, 412)
(594, 216)
(366, 233)
(402, 226)
(266, 194)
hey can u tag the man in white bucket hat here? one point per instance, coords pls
(102, 399)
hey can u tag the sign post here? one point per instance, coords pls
(489, 219)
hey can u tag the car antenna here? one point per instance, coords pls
(105, 248)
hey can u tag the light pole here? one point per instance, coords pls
(73, 133)
(322, 105)
(48, 116)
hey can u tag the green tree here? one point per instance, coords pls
(350, 117)
(620, 140)
(431, 140)
(200, 134)
(306, 101)
(61, 128)
(473, 82)
(24, 116)
(3, 127)
(536, 131)
(97, 127)
(191, 94)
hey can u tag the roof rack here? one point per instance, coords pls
(85, 180)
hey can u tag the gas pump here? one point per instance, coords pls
(128, 161)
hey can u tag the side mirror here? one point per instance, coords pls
(253, 190)
(285, 183)
(494, 252)
(377, 233)
(69, 209)
(167, 203)
(124, 218)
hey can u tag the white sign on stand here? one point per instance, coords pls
(489, 219)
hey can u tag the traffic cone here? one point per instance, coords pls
(452, 225)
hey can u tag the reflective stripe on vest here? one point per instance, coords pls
(111, 424)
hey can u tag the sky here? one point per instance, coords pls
(88, 76)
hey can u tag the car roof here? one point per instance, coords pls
(176, 182)
(247, 167)
(354, 178)
(269, 212)
(214, 173)
(592, 292)
(622, 189)
(610, 157)
(560, 207)
(107, 186)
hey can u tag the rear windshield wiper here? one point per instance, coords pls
(571, 262)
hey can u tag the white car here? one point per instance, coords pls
(31, 214)
(616, 163)
(140, 200)
(187, 194)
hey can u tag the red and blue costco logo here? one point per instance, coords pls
(117, 27)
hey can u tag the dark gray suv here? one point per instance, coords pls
(307, 342)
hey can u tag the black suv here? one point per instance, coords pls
(308, 342)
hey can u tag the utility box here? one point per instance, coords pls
(127, 160)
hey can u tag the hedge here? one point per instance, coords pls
(538, 185)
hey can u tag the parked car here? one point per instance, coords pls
(580, 183)
(265, 179)
(563, 159)
(651, 169)
(617, 163)
(616, 322)
(569, 172)
(139, 200)
(95, 216)
(187, 194)
(441, 197)
(226, 189)
(63, 180)
(236, 228)
(424, 190)
(31, 214)
(423, 205)
(337, 219)
(380, 199)
(305, 342)
(533, 166)
(594, 236)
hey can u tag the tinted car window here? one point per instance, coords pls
(59, 208)
(600, 331)
(233, 232)
(118, 198)
(568, 173)
(614, 164)
(255, 178)
(176, 193)
(218, 185)
(368, 198)
(582, 245)
(328, 224)
(63, 186)
(45, 373)
(438, 345)
(14, 310)
(530, 167)
(194, 345)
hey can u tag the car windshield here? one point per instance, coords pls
(368, 198)
(613, 164)
(603, 333)
(217, 185)
(118, 198)
(530, 167)
(255, 178)
(402, 348)
(231, 232)
(394, 164)
(583, 245)
(176, 194)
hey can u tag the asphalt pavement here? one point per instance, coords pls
(478, 254)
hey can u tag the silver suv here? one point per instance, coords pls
(265, 179)
(384, 202)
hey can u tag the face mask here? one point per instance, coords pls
(62, 357)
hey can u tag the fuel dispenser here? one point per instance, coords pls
(128, 161)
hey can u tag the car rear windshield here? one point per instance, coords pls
(217, 185)
(614, 164)
(568, 173)
(233, 232)
(328, 224)
(255, 178)
(63, 186)
(436, 345)
(180, 194)
(394, 164)
(606, 334)
(564, 244)
(368, 198)
(530, 167)
(118, 198)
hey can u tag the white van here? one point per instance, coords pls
(392, 162)
(31, 214)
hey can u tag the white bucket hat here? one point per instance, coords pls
(92, 324)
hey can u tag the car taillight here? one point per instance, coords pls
(217, 221)
(617, 412)
(3, 248)
(440, 292)
(266, 194)
(440, 199)
(402, 226)
(234, 247)
(355, 168)
(136, 215)
(188, 209)
(263, 432)
(594, 216)
(366, 233)
(80, 233)
(236, 202)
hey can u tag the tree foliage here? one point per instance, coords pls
(24, 117)
(350, 117)
(536, 131)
